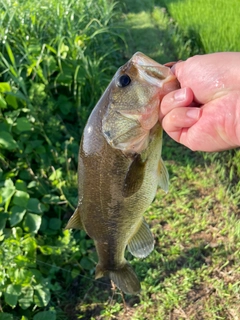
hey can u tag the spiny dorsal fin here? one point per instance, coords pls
(163, 175)
(75, 221)
(142, 243)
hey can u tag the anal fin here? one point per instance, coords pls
(75, 221)
(142, 243)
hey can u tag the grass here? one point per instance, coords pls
(52, 70)
(213, 25)
(194, 272)
(144, 21)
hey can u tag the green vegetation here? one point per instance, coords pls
(212, 25)
(52, 70)
(145, 21)
(55, 60)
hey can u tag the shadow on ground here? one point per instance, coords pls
(99, 295)
(149, 28)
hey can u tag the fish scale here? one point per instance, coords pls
(120, 167)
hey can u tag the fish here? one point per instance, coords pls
(120, 168)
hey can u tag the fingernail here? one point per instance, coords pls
(193, 113)
(180, 95)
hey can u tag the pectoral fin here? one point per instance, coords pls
(142, 243)
(134, 177)
(75, 221)
(163, 175)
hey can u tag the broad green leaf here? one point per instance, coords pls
(23, 124)
(28, 149)
(17, 232)
(40, 150)
(4, 126)
(55, 223)
(23, 277)
(21, 198)
(25, 174)
(26, 297)
(86, 263)
(21, 185)
(17, 214)
(3, 104)
(34, 205)
(11, 100)
(32, 222)
(6, 316)
(3, 220)
(4, 86)
(57, 174)
(7, 141)
(9, 183)
(43, 315)
(41, 296)
(44, 224)
(7, 192)
(11, 294)
(37, 275)
(75, 273)
(64, 104)
(50, 199)
(32, 184)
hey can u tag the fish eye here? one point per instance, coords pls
(123, 81)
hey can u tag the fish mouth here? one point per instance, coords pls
(128, 129)
(157, 74)
(142, 60)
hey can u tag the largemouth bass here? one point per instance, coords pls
(120, 167)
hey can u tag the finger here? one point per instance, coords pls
(175, 99)
(179, 119)
(170, 64)
(176, 66)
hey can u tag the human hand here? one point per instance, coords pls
(204, 114)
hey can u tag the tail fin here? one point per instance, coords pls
(124, 278)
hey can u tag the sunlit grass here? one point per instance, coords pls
(215, 25)
(144, 21)
(193, 272)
